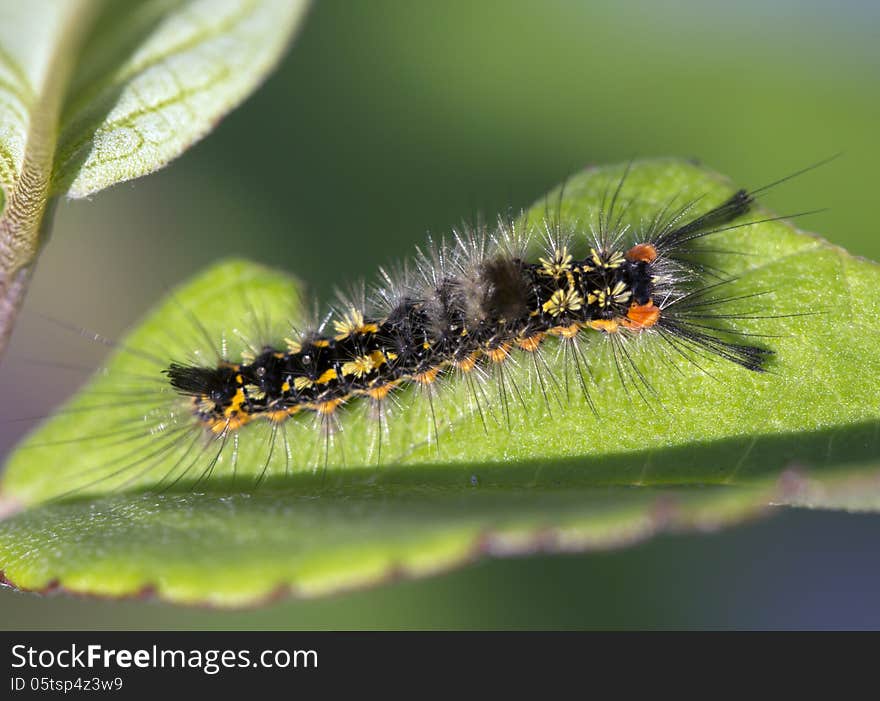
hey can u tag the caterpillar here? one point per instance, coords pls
(471, 304)
(476, 309)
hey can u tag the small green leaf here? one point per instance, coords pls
(156, 78)
(708, 445)
(93, 93)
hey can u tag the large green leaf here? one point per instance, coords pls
(709, 444)
(94, 92)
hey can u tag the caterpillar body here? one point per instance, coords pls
(525, 305)
(474, 303)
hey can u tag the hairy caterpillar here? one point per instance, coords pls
(480, 322)
(472, 304)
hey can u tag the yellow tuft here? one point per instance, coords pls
(561, 301)
(255, 392)
(360, 366)
(353, 322)
(302, 383)
(558, 265)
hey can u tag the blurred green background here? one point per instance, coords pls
(391, 119)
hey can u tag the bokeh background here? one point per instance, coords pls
(390, 119)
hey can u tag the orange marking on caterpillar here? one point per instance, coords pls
(642, 253)
(328, 407)
(642, 316)
(278, 416)
(427, 377)
(605, 325)
(532, 343)
(379, 393)
(498, 354)
(467, 364)
(232, 423)
(327, 376)
(569, 331)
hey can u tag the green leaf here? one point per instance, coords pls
(153, 81)
(93, 93)
(711, 445)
